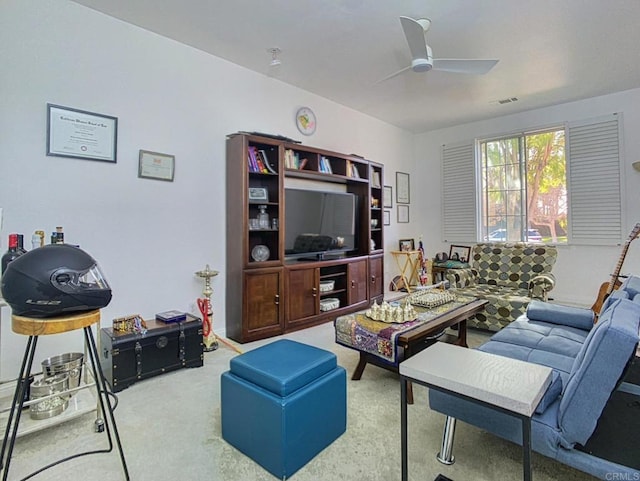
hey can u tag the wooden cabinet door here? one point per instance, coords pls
(302, 294)
(262, 308)
(357, 282)
(376, 278)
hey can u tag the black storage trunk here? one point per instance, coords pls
(129, 357)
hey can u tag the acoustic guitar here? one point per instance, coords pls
(608, 287)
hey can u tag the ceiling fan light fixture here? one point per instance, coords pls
(421, 65)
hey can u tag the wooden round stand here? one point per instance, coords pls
(34, 327)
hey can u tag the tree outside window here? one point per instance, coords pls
(524, 187)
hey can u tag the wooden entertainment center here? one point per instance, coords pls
(267, 293)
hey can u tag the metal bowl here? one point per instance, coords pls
(52, 406)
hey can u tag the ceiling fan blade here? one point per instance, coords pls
(415, 37)
(458, 65)
(394, 74)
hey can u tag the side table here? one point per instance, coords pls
(408, 263)
(507, 385)
(35, 327)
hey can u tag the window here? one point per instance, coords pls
(524, 187)
(590, 214)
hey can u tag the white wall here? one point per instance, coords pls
(148, 236)
(580, 270)
(151, 236)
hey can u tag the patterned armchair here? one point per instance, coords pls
(509, 276)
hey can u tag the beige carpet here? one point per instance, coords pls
(170, 428)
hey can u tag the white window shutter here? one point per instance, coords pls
(594, 173)
(459, 198)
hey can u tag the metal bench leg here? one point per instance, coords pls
(445, 456)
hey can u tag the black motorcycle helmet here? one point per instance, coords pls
(53, 280)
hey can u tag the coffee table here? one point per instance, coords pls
(387, 345)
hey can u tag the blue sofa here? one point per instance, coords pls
(588, 361)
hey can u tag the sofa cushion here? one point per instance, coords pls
(558, 314)
(505, 305)
(551, 394)
(631, 285)
(538, 342)
(618, 294)
(597, 369)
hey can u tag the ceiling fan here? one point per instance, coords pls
(422, 57)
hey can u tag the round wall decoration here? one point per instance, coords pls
(306, 121)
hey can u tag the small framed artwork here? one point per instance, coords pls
(403, 214)
(80, 134)
(387, 200)
(154, 165)
(459, 253)
(402, 188)
(386, 217)
(407, 245)
(258, 194)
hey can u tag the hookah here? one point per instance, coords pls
(209, 338)
(204, 304)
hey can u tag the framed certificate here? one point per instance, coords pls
(402, 188)
(80, 134)
(154, 165)
(403, 214)
(387, 196)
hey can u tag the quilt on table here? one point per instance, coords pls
(359, 332)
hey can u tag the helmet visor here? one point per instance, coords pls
(68, 280)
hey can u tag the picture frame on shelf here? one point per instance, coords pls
(407, 245)
(402, 188)
(386, 217)
(155, 165)
(258, 195)
(387, 198)
(403, 214)
(80, 134)
(459, 253)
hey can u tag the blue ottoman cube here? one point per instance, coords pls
(283, 403)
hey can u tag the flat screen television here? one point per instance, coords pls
(319, 224)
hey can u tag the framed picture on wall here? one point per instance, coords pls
(387, 200)
(402, 188)
(403, 214)
(154, 165)
(386, 217)
(80, 134)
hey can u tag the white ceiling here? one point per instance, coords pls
(550, 51)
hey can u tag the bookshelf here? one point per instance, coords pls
(266, 294)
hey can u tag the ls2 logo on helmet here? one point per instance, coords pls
(43, 302)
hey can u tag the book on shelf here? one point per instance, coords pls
(352, 170)
(251, 161)
(375, 180)
(290, 159)
(256, 164)
(265, 159)
(325, 165)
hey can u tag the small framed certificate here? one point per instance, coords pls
(154, 165)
